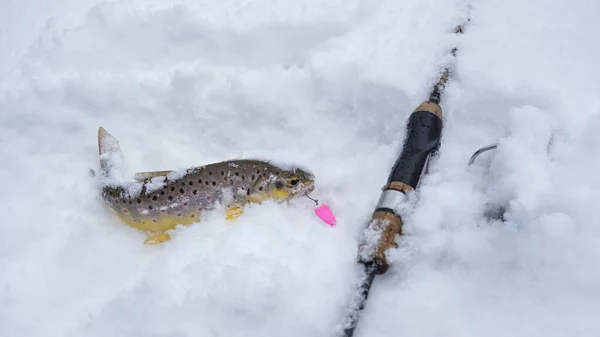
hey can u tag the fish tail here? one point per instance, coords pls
(111, 157)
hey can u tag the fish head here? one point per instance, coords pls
(283, 184)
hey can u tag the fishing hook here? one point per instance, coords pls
(315, 200)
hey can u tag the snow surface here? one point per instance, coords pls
(323, 84)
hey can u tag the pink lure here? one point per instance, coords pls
(324, 212)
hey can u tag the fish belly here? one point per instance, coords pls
(158, 216)
(159, 223)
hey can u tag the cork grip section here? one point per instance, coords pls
(398, 186)
(393, 226)
(430, 107)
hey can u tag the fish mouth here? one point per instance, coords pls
(309, 188)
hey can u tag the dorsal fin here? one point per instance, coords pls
(141, 176)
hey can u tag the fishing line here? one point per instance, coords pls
(315, 200)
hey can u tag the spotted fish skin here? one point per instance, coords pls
(159, 201)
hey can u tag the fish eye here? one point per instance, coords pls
(294, 181)
(278, 185)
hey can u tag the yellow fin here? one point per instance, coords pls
(141, 176)
(156, 238)
(234, 212)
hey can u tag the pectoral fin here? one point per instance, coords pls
(234, 212)
(156, 238)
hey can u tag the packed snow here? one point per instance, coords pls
(327, 85)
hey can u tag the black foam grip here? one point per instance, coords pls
(423, 134)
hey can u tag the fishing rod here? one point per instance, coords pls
(422, 140)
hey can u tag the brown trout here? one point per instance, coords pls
(156, 202)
